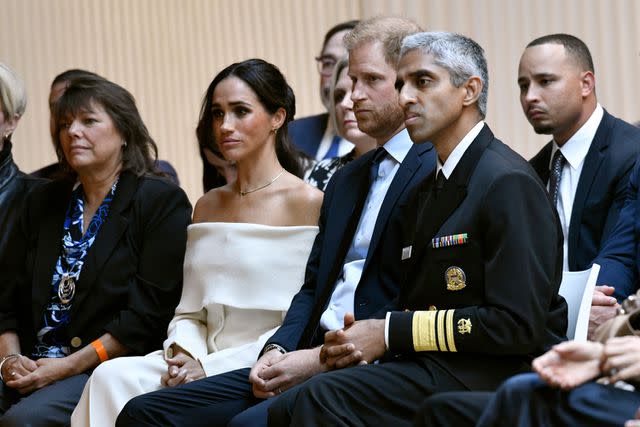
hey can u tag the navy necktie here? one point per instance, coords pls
(440, 180)
(378, 157)
(557, 164)
(333, 148)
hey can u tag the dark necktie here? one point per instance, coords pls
(557, 165)
(333, 148)
(378, 157)
(440, 180)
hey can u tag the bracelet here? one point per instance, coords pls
(4, 359)
(100, 350)
(273, 346)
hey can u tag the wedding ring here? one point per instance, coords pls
(12, 374)
(278, 390)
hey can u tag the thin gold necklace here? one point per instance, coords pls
(253, 190)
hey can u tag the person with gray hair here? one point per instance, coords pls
(479, 221)
(14, 185)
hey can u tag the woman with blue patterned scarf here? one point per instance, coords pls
(94, 266)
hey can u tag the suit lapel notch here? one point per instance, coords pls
(436, 210)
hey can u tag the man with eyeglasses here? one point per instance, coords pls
(315, 135)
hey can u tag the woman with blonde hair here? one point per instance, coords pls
(14, 185)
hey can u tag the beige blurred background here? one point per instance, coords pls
(167, 51)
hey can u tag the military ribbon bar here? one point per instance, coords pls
(451, 240)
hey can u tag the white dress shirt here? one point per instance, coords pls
(574, 151)
(342, 298)
(447, 169)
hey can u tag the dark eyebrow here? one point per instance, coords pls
(544, 76)
(233, 104)
(421, 73)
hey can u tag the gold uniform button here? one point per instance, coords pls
(76, 342)
(432, 308)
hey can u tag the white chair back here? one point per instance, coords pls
(577, 289)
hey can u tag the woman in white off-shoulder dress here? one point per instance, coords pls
(246, 251)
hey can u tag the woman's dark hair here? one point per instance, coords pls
(211, 178)
(272, 90)
(140, 153)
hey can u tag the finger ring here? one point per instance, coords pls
(12, 373)
(278, 390)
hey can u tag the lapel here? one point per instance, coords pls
(347, 211)
(107, 238)
(540, 163)
(407, 169)
(434, 212)
(50, 225)
(590, 168)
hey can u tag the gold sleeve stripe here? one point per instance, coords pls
(441, 340)
(450, 340)
(424, 326)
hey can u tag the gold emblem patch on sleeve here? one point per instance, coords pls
(464, 326)
(455, 278)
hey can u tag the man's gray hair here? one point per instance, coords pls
(459, 55)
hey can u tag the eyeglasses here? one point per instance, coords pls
(326, 64)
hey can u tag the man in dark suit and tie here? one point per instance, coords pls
(587, 164)
(315, 135)
(353, 266)
(483, 261)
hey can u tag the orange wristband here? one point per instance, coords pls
(99, 348)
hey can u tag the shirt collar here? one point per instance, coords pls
(458, 152)
(577, 147)
(399, 145)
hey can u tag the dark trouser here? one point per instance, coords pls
(525, 400)
(386, 394)
(459, 409)
(211, 401)
(50, 406)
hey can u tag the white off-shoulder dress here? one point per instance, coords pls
(239, 280)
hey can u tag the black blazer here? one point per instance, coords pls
(131, 280)
(601, 189)
(340, 213)
(508, 309)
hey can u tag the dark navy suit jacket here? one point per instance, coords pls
(306, 133)
(619, 259)
(339, 217)
(601, 189)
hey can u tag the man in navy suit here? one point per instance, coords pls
(592, 152)
(315, 135)
(354, 266)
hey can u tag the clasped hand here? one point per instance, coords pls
(275, 372)
(359, 342)
(181, 369)
(26, 375)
